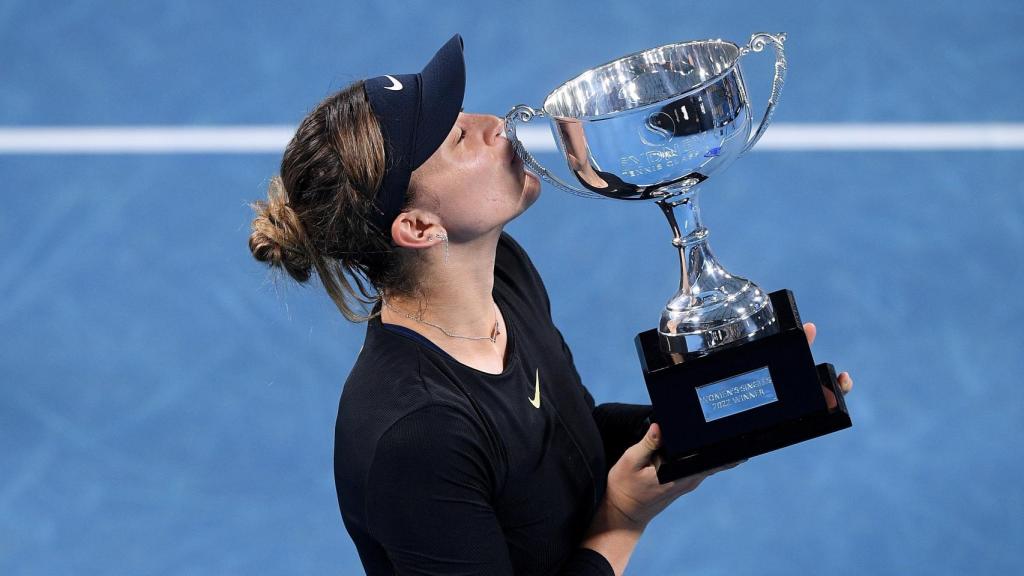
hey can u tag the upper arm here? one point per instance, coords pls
(429, 497)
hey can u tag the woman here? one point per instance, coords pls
(465, 442)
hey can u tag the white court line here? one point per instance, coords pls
(271, 139)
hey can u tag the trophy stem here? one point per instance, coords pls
(694, 232)
(712, 308)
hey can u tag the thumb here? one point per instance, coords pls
(642, 453)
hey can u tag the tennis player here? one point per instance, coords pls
(465, 442)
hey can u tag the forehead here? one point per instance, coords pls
(444, 155)
(436, 162)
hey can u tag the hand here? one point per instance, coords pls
(845, 381)
(634, 496)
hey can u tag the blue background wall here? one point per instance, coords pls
(167, 407)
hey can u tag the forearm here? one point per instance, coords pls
(614, 536)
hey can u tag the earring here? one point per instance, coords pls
(443, 238)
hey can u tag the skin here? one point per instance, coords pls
(468, 190)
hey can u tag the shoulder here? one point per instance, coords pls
(394, 416)
(385, 378)
(393, 390)
(388, 381)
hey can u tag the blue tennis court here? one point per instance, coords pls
(168, 405)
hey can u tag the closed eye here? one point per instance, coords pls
(462, 133)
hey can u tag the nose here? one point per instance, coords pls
(494, 130)
(486, 128)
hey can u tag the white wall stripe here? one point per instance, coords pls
(144, 139)
(881, 136)
(271, 139)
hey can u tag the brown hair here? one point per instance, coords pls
(317, 215)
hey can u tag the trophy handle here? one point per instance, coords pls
(757, 43)
(524, 113)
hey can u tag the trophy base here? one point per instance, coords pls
(741, 401)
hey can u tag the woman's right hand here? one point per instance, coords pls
(633, 498)
(633, 489)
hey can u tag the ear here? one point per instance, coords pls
(416, 229)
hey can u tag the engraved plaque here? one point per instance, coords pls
(736, 394)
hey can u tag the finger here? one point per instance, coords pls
(643, 452)
(701, 476)
(845, 382)
(725, 467)
(652, 440)
(689, 483)
(811, 331)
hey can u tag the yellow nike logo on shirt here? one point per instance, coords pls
(536, 392)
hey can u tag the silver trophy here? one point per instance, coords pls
(655, 125)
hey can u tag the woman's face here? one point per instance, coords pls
(474, 182)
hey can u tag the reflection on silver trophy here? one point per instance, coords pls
(729, 369)
(655, 125)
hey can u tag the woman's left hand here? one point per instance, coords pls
(845, 381)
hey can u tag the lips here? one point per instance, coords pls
(513, 158)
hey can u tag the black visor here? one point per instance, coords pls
(416, 113)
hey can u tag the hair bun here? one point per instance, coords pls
(278, 236)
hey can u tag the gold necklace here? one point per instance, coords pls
(495, 332)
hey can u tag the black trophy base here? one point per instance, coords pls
(740, 401)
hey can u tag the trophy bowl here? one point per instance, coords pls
(653, 124)
(728, 369)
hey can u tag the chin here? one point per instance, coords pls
(531, 190)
